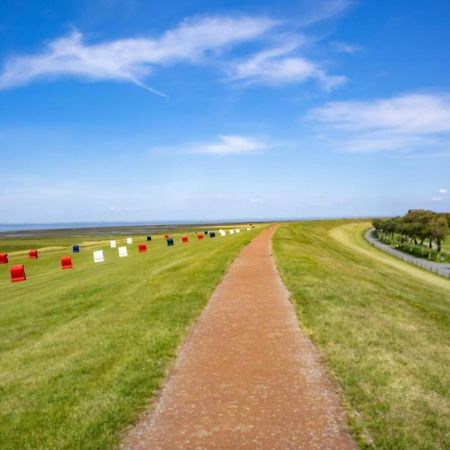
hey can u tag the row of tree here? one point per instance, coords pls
(418, 226)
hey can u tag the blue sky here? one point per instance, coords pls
(201, 110)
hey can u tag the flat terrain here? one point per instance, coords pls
(82, 350)
(247, 377)
(64, 237)
(383, 329)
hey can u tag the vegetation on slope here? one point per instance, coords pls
(383, 328)
(410, 233)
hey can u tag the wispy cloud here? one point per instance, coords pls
(442, 191)
(232, 144)
(405, 123)
(224, 145)
(324, 10)
(436, 198)
(277, 66)
(345, 47)
(133, 59)
(194, 41)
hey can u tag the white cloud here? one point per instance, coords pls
(404, 123)
(345, 47)
(132, 59)
(230, 144)
(442, 191)
(324, 10)
(278, 66)
(195, 41)
(224, 145)
(436, 199)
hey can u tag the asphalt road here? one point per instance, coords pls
(441, 269)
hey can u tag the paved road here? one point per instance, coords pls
(441, 269)
(248, 377)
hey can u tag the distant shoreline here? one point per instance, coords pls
(83, 225)
(53, 226)
(134, 227)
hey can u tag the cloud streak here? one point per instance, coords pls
(195, 40)
(232, 144)
(132, 60)
(345, 47)
(324, 10)
(277, 66)
(405, 123)
(224, 145)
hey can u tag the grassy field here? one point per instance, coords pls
(383, 328)
(83, 350)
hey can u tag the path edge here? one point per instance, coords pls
(353, 421)
(152, 403)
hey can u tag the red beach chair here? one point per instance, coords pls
(66, 262)
(17, 273)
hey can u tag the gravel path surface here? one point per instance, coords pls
(247, 376)
(441, 269)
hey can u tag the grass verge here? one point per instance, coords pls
(383, 328)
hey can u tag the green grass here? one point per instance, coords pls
(383, 329)
(16, 245)
(82, 351)
(419, 250)
(14, 241)
(446, 244)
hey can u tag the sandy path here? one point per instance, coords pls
(247, 376)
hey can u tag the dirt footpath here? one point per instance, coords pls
(247, 376)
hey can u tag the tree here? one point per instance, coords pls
(439, 230)
(416, 225)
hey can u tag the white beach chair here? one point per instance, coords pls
(98, 256)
